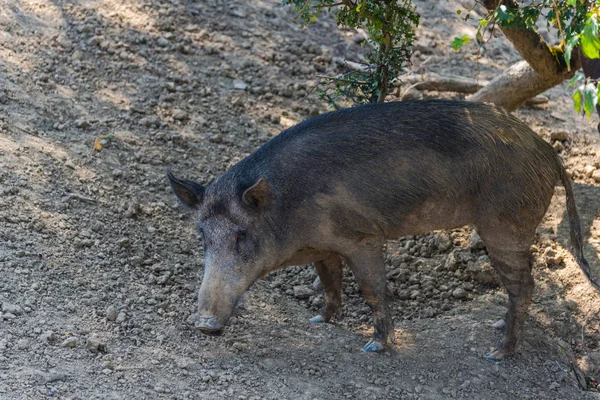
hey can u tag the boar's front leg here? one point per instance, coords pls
(368, 268)
(330, 271)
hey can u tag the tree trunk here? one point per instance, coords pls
(542, 69)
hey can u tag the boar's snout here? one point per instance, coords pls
(209, 325)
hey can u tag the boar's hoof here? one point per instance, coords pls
(317, 319)
(209, 326)
(373, 346)
(496, 355)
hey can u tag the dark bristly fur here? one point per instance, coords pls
(336, 186)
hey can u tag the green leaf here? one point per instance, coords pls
(576, 78)
(571, 43)
(590, 43)
(458, 11)
(483, 23)
(459, 42)
(577, 99)
(572, 3)
(590, 99)
(502, 15)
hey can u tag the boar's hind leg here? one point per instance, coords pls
(369, 271)
(330, 272)
(514, 270)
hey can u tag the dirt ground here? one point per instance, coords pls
(99, 265)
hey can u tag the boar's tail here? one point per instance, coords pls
(575, 227)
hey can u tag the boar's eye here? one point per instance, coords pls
(240, 236)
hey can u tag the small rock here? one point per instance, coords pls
(132, 210)
(77, 56)
(553, 257)
(476, 242)
(111, 313)
(12, 309)
(239, 85)
(70, 342)
(317, 284)
(275, 119)
(82, 123)
(302, 292)
(596, 175)
(69, 163)
(161, 280)
(95, 345)
(559, 135)
(558, 146)
(443, 241)
(483, 272)
(360, 37)
(459, 293)
(180, 115)
(150, 121)
(589, 170)
(48, 336)
(124, 243)
(23, 344)
(136, 261)
(500, 324)
(162, 42)
(451, 262)
(121, 318)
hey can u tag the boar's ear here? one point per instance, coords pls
(189, 193)
(260, 195)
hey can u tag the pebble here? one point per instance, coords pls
(124, 243)
(48, 336)
(121, 318)
(559, 135)
(459, 293)
(500, 324)
(275, 119)
(180, 115)
(70, 342)
(302, 291)
(476, 242)
(553, 257)
(443, 241)
(589, 170)
(111, 313)
(483, 272)
(317, 284)
(11, 309)
(95, 345)
(23, 344)
(162, 42)
(596, 175)
(558, 146)
(239, 85)
(82, 123)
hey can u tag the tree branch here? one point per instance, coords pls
(545, 67)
